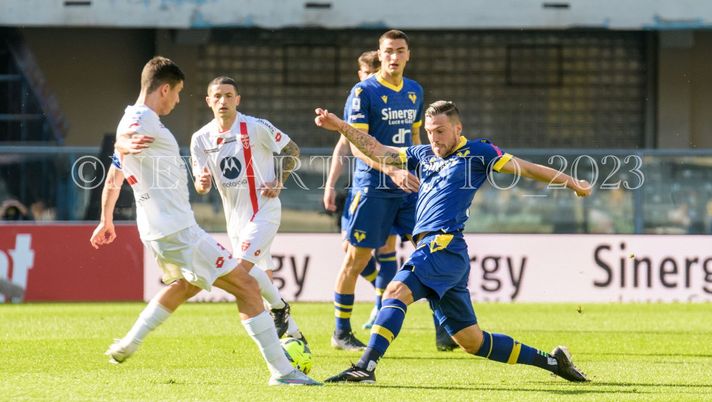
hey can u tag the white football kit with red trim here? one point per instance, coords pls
(240, 161)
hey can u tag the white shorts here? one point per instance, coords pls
(253, 242)
(193, 255)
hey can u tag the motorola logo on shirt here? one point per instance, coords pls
(230, 167)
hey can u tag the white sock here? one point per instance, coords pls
(150, 318)
(261, 329)
(293, 328)
(268, 291)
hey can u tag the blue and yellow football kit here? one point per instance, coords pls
(377, 206)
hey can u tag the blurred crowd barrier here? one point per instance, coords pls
(635, 192)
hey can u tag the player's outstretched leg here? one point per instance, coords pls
(386, 328)
(504, 349)
(260, 327)
(153, 315)
(279, 309)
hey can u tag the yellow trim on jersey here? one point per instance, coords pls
(388, 85)
(354, 202)
(417, 124)
(440, 242)
(342, 314)
(515, 353)
(402, 155)
(460, 144)
(384, 332)
(502, 161)
(360, 126)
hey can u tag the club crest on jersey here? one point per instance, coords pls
(359, 235)
(245, 245)
(357, 91)
(245, 141)
(230, 167)
(219, 140)
(413, 97)
(384, 98)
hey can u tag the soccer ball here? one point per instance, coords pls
(298, 354)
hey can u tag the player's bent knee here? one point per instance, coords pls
(398, 290)
(469, 339)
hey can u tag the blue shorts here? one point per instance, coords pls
(372, 219)
(438, 270)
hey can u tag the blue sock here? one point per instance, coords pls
(386, 328)
(343, 306)
(369, 273)
(388, 267)
(503, 348)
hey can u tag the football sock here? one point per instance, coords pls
(150, 318)
(503, 348)
(369, 273)
(386, 273)
(261, 329)
(292, 327)
(386, 328)
(268, 291)
(343, 306)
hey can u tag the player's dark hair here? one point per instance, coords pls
(370, 58)
(224, 80)
(394, 34)
(158, 71)
(448, 108)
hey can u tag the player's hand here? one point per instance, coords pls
(271, 189)
(327, 120)
(103, 234)
(132, 143)
(407, 181)
(583, 188)
(203, 182)
(330, 199)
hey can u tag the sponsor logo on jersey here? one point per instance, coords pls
(398, 116)
(230, 167)
(357, 116)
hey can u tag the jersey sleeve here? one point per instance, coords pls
(491, 155)
(420, 110)
(411, 156)
(198, 156)
(356, 108)
(272, 137)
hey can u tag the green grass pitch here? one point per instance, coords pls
(630, 351)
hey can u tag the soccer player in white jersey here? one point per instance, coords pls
(149, 159)
(237, 151)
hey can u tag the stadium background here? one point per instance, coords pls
(555, 82)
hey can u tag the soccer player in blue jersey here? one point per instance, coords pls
(389, 106)
(451, 170)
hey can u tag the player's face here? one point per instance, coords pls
(364, 71)
(394, 55)
(223, 100)
(443, 133)
(170, 98)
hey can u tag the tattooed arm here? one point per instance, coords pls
(288, 159)
(362, 141)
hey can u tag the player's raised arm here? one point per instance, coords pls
(546, 174)
(104, 232)
(363, 141)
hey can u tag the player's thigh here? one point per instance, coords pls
(371, 220)
(255, 241)
(404, 221)
(193, 255)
